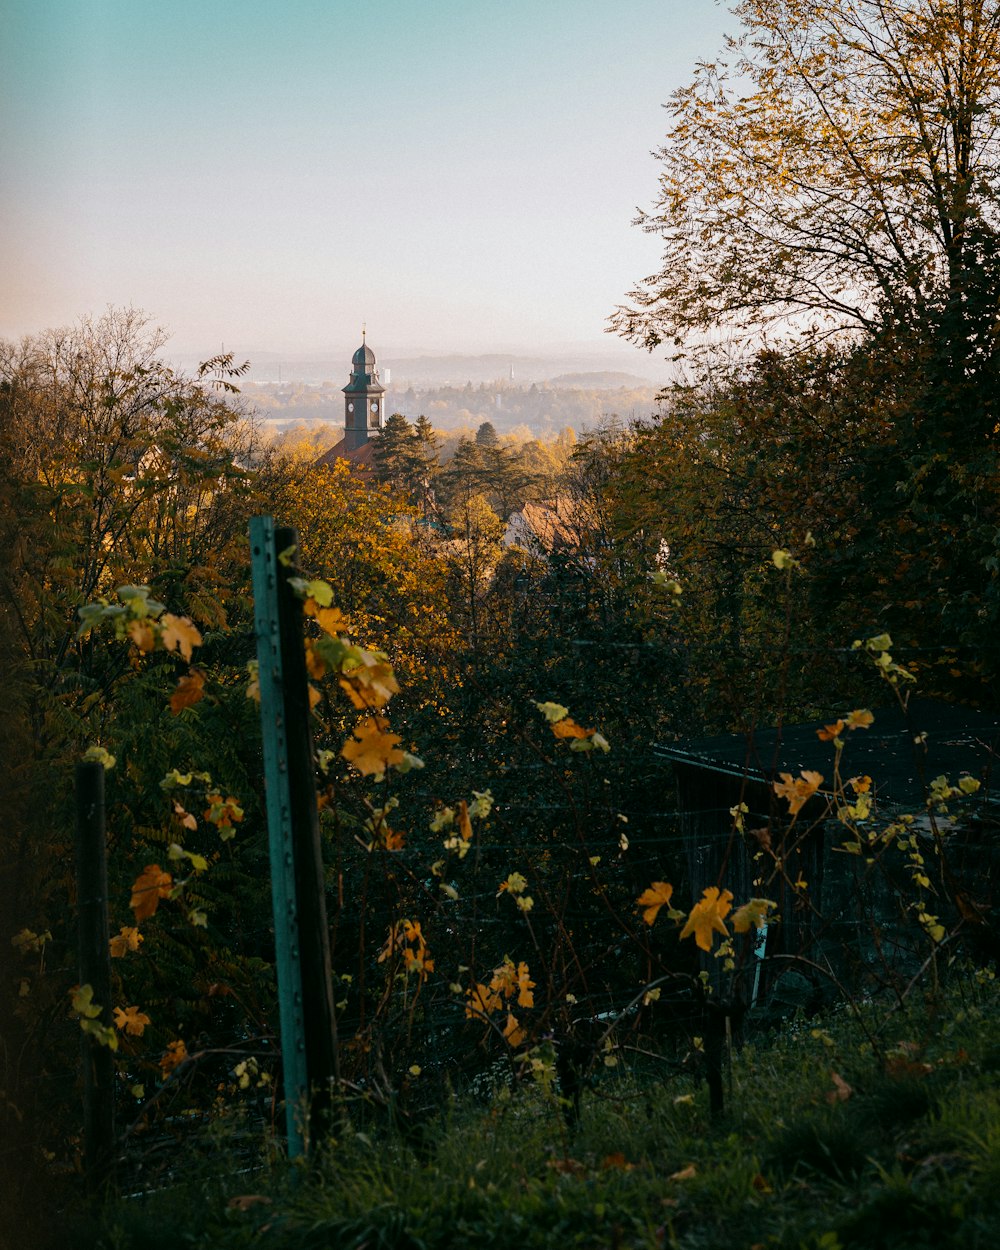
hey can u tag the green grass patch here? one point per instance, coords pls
(835, 1137)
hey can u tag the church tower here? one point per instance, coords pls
(363, 399)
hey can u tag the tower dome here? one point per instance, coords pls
(364, 357)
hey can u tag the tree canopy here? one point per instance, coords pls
(841, 161)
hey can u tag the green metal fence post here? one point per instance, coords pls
(308, 1025)
(264, 567)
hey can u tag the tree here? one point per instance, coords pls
(842, 163)
(394, 452)
(368, 542)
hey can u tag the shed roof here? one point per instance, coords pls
(958, 740)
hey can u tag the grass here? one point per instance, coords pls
(902, 1149)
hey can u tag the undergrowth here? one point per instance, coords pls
(827, 1142)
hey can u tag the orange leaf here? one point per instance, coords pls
(393, 839)
(617, 1162)
(525, 985)
(829, 732)
(707, 917)
(243, 1202)
(568, 728)
(175, 1055)
(141, 633)
(190, 690)
(658, 895)
(841, 1090)
(464, 822)
(127, 939)
(315, 664)
(132, 1020)
(482, 1001)
(186, 819)
(370, 749)
(567, 1166)
(685, 1174)
(147, 890)
(513, 1032)
(179, 634)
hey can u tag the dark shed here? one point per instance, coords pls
(845, 917)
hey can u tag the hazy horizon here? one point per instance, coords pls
(459, 177)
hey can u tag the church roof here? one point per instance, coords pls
(363, 456)
(364, 356)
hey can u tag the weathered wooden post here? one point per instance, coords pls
(94, 957)
(302, 945)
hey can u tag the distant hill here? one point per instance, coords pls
(606, 381)
(595, 370)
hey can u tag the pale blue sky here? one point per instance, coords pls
(460, 174)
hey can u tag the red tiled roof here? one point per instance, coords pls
(363, 456)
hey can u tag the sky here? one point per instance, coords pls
(460, 175)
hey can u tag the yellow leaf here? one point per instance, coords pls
(370, 684)
(859, 720)
(370, 749)
(83, 1004)
(516, 883)
(330, 620)
(132, 1020)
(148, 888)
(799, 791)
(658, 895)
(179, 634)
(127, 939)
(707, 917)
(190, 690)
(552, 711)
